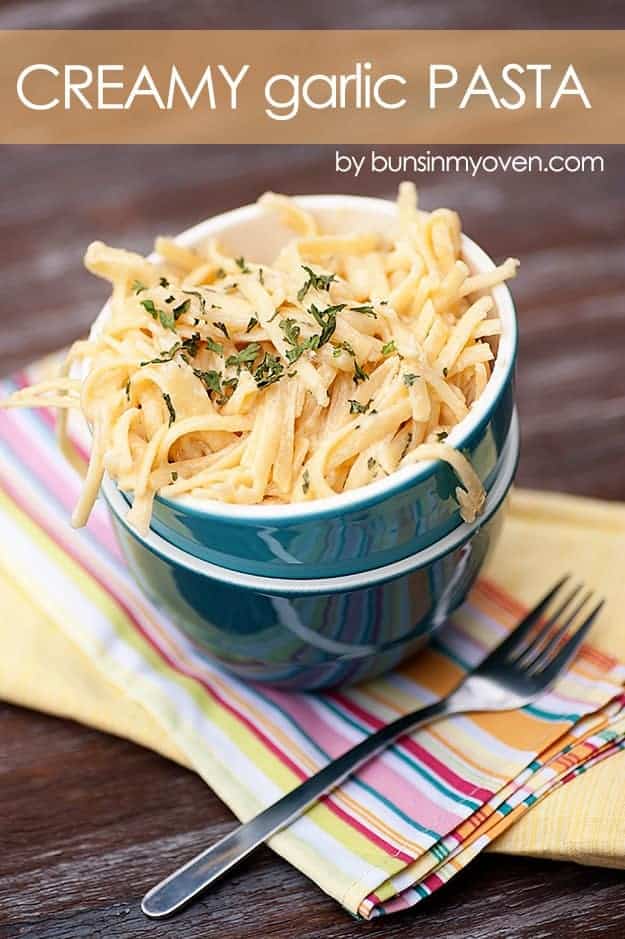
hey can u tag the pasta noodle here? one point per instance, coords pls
(349, 357)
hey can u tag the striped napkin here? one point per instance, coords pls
(410, 819)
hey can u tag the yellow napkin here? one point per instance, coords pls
(544, 536)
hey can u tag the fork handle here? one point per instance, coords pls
(201, 871)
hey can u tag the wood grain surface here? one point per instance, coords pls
(89, 821)
(282, 14)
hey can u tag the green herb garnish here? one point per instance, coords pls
(137, 286)
(313, 342)
(163, 282)
(355, 407)
(442, 435)
(231, 383)
(292, 331)
(170, 408)
(268, 371)
(389, 348)
(166, 356)
(253, 321)
(240, 262)
(215, 385)
(326, 319)
(244, 357)
(191, 345)
(406, 447)
(317, 281)
(166, 319)
(181, 308)
(174, 476)
(199, 296)
(222, 327)
(343, 347)
(359, 373)
(305, 481)
(409, 378)
(210, 379)
(366, 309)
(213, 346)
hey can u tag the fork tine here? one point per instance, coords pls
(544, 655)
(569, 650)
(537, 641)
(520, 632)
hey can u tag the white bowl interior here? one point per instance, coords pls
(258, 235)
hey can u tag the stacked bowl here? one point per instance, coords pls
(335, 590)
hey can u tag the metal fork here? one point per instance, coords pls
(535, 654)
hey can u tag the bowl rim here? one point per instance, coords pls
(319, 585)
(363, 497)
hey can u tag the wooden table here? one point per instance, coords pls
(89, 820)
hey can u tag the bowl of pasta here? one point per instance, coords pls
(302, 417)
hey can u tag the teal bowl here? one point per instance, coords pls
(307, 633)
(390, 519)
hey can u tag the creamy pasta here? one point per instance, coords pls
(348, 357)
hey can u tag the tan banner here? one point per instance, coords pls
(318, 86)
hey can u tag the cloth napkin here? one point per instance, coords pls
(88, 645)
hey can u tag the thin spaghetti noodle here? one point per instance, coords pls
(349, 357)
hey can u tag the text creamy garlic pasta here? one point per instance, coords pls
(348, 357)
